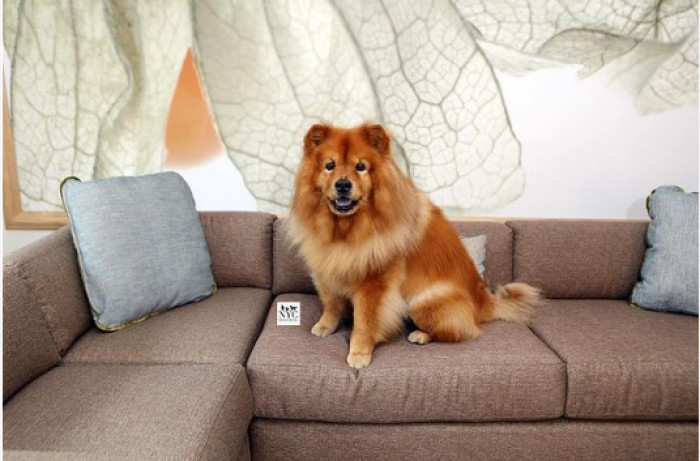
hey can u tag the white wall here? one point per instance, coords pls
(586, 152)
(218, 185)
(13, 240)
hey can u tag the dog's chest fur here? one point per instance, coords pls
(344, 265)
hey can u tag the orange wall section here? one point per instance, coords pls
(190, 136)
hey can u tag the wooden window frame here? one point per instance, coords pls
(15, 217)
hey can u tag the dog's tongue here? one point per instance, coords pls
(343, 201)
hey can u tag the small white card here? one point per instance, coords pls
(288, 313)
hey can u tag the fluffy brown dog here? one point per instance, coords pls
(373, 241)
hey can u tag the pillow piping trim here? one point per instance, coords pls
(152, 314)
(77, 247)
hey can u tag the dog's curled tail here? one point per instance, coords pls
(514, 302)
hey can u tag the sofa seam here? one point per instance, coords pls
(558, 420)
(258, 331)
(566, 368)
(402, 369)
(513, 240)
(34, 294)
(541, 419)
(63, 364)
(44, 304)
(109, 454)
(272, 260)
(199, 453)
(612, 417)
(271, 251)
(612, 362)
(512, 250)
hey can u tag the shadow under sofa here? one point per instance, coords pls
(591, 378)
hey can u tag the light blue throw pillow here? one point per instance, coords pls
(140, 245)
(669, 275)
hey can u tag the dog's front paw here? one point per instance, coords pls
(322, 330)
(357, 360)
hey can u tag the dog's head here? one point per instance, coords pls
(343, 166)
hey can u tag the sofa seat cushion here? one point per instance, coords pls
(507, 374)
(623, 362)
(137, 411)
(220, 329)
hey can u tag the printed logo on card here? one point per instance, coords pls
(288, 313)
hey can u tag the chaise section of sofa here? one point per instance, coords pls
(220, 329)
(173, 387)
(177, 411)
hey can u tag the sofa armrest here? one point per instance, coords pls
(28, 348)
(49, 268)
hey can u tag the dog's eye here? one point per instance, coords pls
(330, 165)
(360, 166)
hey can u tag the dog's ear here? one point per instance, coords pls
(377, 138)
(315, 137)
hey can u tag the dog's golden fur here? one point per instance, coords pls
(383, 249)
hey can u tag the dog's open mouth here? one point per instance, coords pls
(344, 204)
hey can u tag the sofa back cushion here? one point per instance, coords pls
(50, 269)
(578, 258)
(290, 274)
(499, 248)
(289, 271)
(28, 348)
(240, 244)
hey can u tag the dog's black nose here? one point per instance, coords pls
(343, 186)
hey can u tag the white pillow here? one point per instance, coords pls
(476, 247)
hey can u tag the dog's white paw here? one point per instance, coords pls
(321, 330)
(419, 337)
(358, 361)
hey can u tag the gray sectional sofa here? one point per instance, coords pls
(591, 378)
